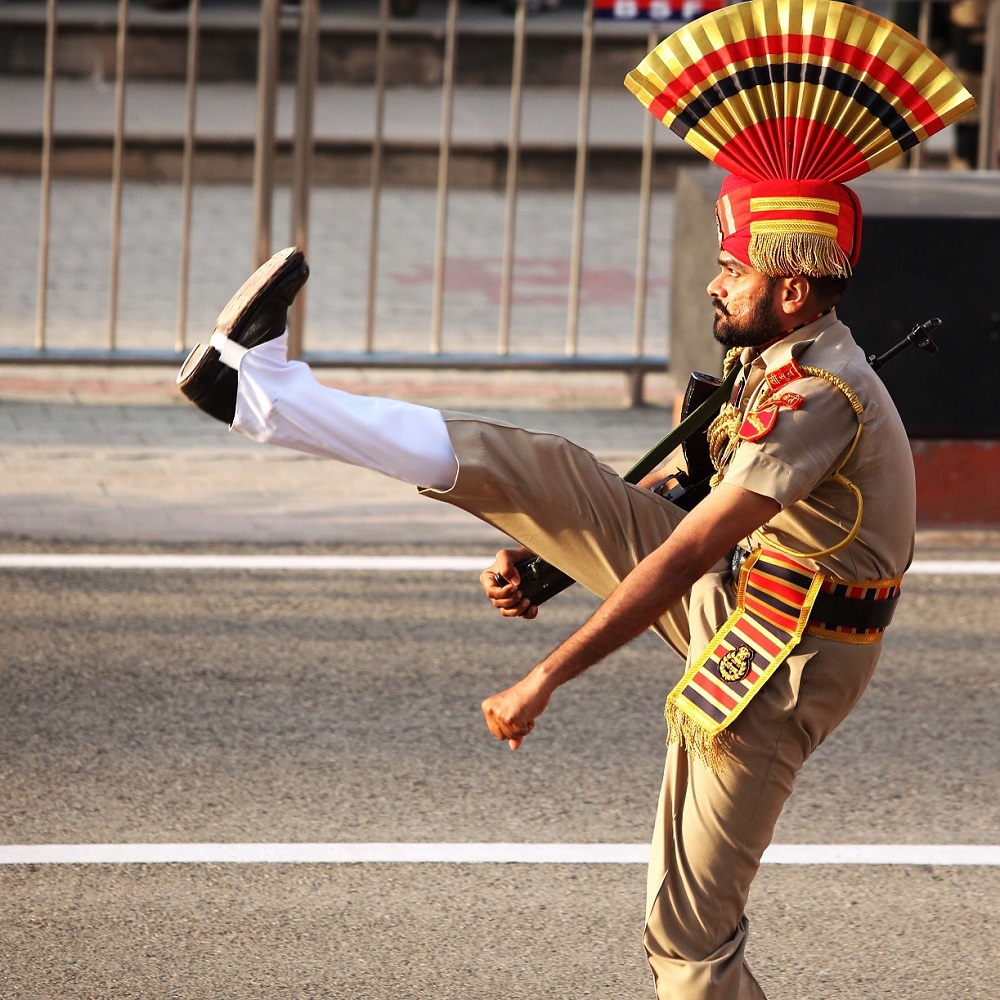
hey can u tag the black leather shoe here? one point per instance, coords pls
(257, 313)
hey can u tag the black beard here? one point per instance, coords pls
(759, 326)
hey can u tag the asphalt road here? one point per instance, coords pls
(182, 706)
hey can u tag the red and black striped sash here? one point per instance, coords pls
(773, 603)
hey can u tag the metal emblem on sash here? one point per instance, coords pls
(735, 665)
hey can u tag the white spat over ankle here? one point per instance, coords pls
(230, 353)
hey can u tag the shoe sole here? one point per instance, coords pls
(192, 361)
(256, 287)
(208, 383)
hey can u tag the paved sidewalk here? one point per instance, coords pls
(115, 458)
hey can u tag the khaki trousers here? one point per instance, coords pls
(711, 829)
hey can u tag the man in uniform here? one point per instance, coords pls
(775, 589)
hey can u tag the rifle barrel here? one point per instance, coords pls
(919, 336)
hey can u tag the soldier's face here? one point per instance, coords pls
(744, 299)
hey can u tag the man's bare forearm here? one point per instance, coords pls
(655, 585)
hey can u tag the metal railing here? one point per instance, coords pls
(631, 355)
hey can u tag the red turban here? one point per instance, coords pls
(790, 227)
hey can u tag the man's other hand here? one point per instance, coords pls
(511, 714)
(506, 596)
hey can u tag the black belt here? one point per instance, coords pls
(834, 610)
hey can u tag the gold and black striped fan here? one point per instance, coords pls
(798, 90)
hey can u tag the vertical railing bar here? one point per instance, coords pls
(645, 211)
(444, 162)
(924, 21)
(580, 183)
(268, 57)
(45, 219)
(187, 170)
(924, 34)
(513, 158)
(381, 55)
(117, 157)
(305, 103)
(988, 153)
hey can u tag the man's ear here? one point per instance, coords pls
(793, 293)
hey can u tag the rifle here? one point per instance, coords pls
(704, 397)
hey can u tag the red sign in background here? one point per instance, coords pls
(654, 10)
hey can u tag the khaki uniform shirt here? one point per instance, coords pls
(793, 463)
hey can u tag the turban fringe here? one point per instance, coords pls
(797, 91)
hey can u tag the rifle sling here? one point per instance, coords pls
(692, 423)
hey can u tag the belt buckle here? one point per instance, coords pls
(737, 558)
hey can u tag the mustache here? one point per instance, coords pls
(720, 306)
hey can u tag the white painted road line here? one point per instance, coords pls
(325, 564)
(368, 564)
(956, 567)
(457, 854)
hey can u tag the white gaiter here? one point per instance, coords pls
(280, 402)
